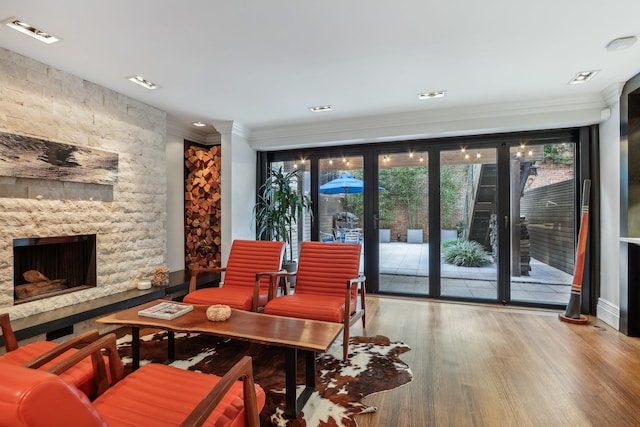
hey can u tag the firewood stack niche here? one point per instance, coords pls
(202, 206)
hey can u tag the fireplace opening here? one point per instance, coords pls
(48, 266)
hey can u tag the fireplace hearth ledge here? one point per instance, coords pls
(60, 318)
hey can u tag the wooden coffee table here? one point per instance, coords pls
(308, 336)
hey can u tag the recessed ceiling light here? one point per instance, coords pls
(583, 77)
(30, 30)
(198, 124)
(621, 43)
(431, 95)
(321, 108)
(143, 82)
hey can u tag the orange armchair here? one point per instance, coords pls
(44, 354)
(327, 287)
(249, 278)
(154, 395)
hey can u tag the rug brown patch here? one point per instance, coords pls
(373, 366)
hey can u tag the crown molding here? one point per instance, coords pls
(185, 133)
(231, 127)
(468, 120)
(612, 93)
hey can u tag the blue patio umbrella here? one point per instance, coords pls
(345, 183)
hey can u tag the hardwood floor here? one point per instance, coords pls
(479, 365)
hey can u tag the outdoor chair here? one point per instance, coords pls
(249, 277)
(155, 395)
(327, 237)
(327, 287)
(44, 354)
(352, 237)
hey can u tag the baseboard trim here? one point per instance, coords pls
(609, 313)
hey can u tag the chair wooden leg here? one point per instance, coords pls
(345, 342)
(364, 308)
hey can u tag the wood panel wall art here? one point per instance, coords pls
(27, 157)
(202, 206)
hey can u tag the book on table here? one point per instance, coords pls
(166, 310)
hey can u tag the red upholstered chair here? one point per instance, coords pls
(249, 278)
(327, 281)
(154, 395)
(44, 354)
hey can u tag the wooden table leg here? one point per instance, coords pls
(135, 348)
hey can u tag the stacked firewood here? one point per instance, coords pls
(202, 206)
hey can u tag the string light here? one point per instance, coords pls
(478, 155)
(411, 154)
(421, 159)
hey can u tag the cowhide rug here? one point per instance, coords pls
(373, 366)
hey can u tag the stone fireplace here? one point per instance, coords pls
(127, 218)
(48, 266)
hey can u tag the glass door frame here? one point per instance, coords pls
(586, 139)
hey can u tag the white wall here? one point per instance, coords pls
(608, 309)
(238, 185)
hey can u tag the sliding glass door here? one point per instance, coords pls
(543, 221)
(490, 219)
(468, 221)
(403, 222)
(340, 203)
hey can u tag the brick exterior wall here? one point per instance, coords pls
(128, 218)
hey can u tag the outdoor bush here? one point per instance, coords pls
(448, 243)
(465, 253)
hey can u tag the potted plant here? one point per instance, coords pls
(278, 208)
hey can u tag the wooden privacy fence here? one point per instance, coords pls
(550, 213)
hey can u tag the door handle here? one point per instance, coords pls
(375, 222)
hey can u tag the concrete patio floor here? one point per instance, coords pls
(404, 268)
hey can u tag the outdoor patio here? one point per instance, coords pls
(404, 268)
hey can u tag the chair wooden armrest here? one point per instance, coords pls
(285, 273)
(273, 275)
(195, 272)
(95, 350)
(10, 342)
(360, 279)
(83, 339)
(242, 369)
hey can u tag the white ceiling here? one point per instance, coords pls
(263, 63)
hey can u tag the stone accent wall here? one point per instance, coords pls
(128, 218)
